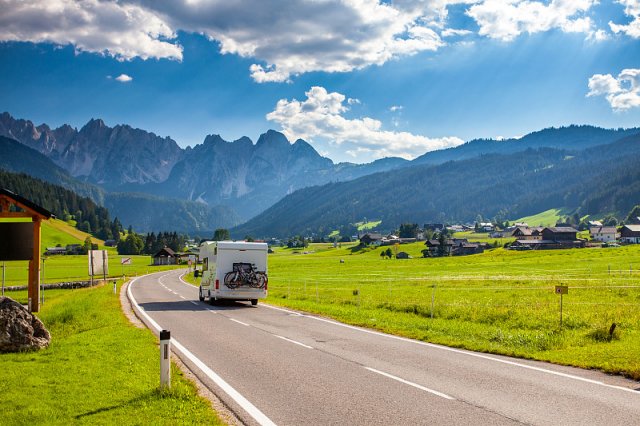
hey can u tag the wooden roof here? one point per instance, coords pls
(29, 207)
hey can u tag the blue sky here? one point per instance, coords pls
(358, 79)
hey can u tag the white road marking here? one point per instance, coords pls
(293, 341)
(181, 296)
(195, 303)
(211, 310)
(406, 382)
(251, 409)
(239, 322)
(459, 351)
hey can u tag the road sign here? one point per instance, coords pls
(562, 289)
(98, 262)
(125, 261)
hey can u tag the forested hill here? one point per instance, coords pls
(568, 138)
(64, 203)
(602, 179)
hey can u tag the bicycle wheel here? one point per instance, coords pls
(230, 280)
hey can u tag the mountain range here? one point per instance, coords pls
(598, 180)
(281, 188)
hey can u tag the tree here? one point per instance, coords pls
(633, 215)
(389, 253)
(221, 234)
(408, 230)
(248, 238)
(382, 254)
(442, 247)
(132, 244)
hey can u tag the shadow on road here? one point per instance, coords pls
(186, 305)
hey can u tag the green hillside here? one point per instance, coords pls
(546, 218)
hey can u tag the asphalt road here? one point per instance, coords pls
(301, 369)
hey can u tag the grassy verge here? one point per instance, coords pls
(70, 268)
(498, 302)
(99, 369)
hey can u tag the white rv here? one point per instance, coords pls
(233, 270)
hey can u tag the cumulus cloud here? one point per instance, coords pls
(124, 31)
(631, 9)
(124, 78)
(395, 108)
(321, 115)
(507, 19)
(295, 37)
(622, 92)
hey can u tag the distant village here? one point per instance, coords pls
(561, 236)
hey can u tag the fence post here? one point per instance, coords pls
(165, 359)
(433, 299)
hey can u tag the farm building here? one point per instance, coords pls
(166, 256)
(558, 237)
(527, 233)
(372, 238)
(630, 234)
(604, 234)
(403, 255)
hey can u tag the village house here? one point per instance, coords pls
(371, 238)
(527, 233)
(403, 255)
(557, 237)
(55, 250)
(453, 247)
(165, 256)
(604, 234)
(630, 234)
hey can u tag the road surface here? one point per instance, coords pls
(275, 366)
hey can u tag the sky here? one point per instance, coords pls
(358, 79)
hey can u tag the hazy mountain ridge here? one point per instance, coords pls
(99, 153)
(569, 138)
(130, 208)
(242, 179)
(245, 177)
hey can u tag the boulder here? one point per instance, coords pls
(19, 329)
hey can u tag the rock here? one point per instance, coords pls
(20, 330)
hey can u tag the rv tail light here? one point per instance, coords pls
(217, 284)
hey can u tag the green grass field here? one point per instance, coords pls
(546, 218)
(69, 268)
(499, 302)
(99, 369)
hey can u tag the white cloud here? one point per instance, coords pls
(124, 31)
(507, 19)
(295, 37)
(321, 116)
(395, 108)
(124, 78)
(353, 101)
(622, 93)
(631, 9)
(451, 32)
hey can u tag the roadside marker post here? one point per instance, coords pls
(561, 289)
(165, 359)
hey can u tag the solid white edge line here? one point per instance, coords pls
(415, 385)
(251, 409)
(239, 322)
(459, 351)
(293, 341)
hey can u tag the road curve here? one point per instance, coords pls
(292, 368)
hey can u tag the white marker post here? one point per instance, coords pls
(165, 359)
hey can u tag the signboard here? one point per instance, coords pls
(16, 241)
(125, 261)
(98, 262)
(562, 289)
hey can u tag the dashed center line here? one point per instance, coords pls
(406, 382)
(293, 341)
(239, 322)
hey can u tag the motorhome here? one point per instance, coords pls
(233, 270)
